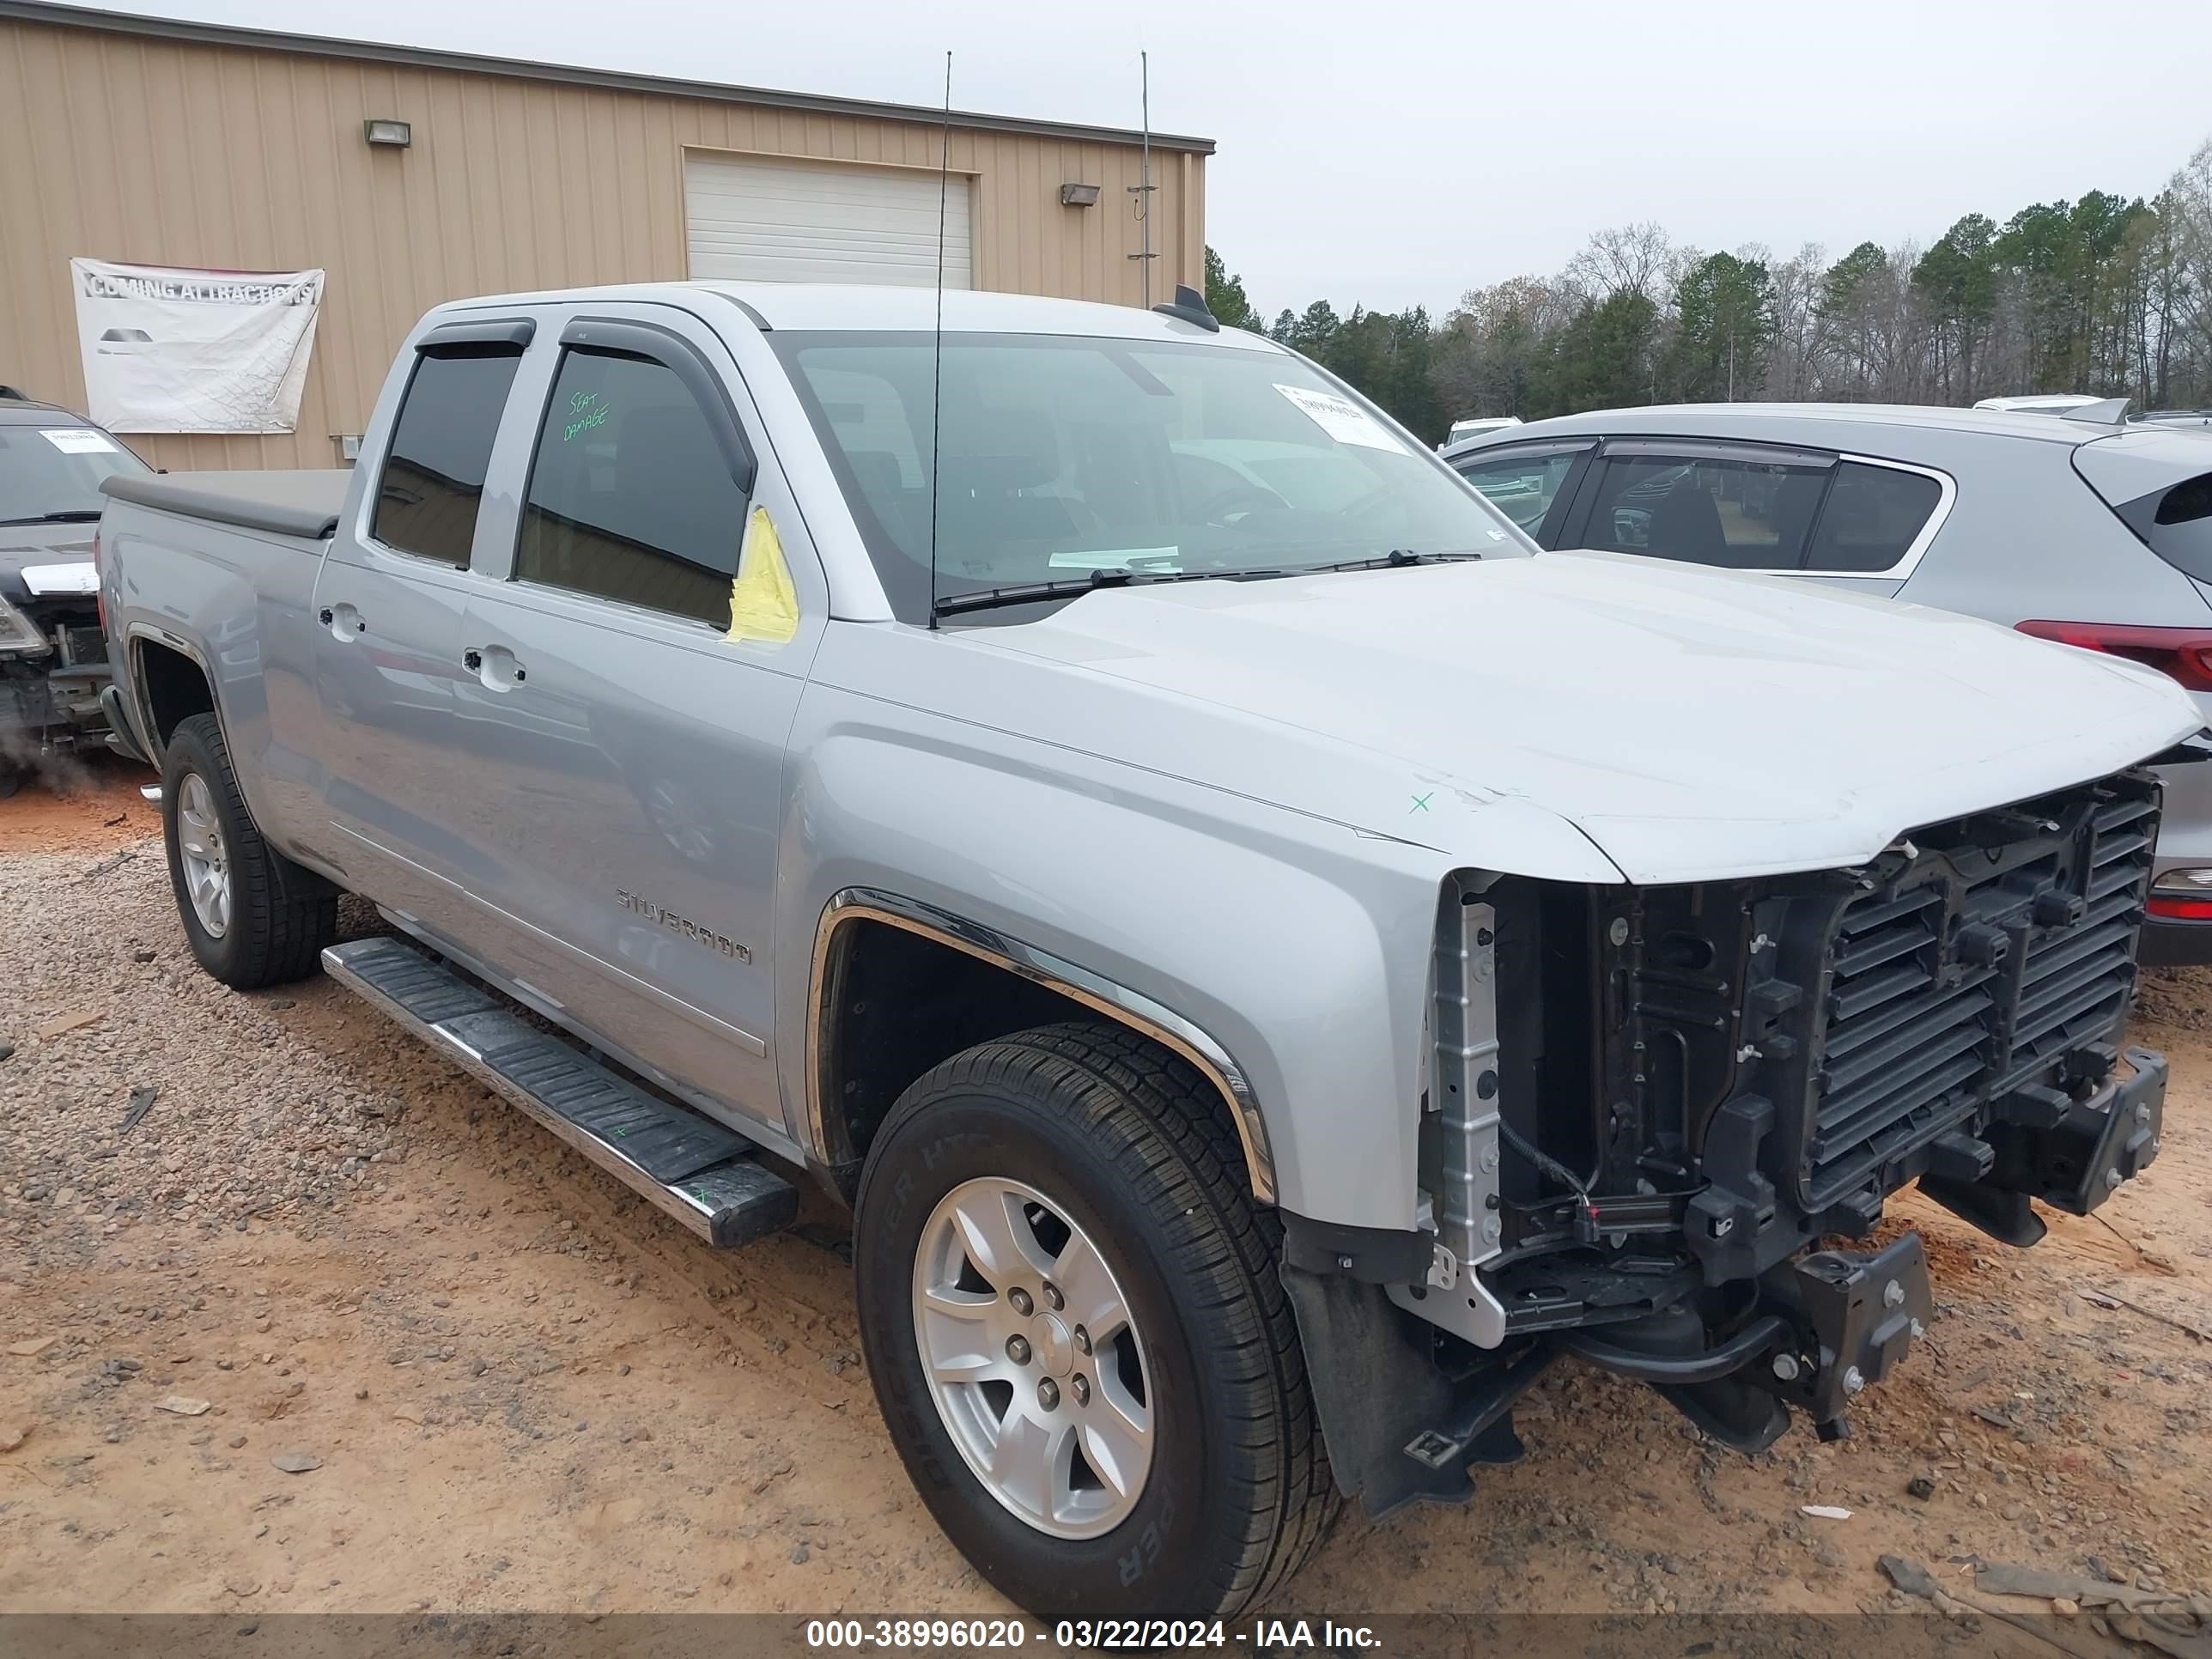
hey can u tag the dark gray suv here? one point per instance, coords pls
(2096, 534)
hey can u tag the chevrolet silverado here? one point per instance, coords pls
(1272, 960)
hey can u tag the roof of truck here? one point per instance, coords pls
(859, 307)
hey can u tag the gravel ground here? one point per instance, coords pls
(426, 1358)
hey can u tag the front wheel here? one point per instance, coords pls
(1078, 1336)
(252, 917)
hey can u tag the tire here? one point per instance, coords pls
(279, 915)
(11, 778)
(1123, 1143)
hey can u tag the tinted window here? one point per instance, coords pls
(1062, 455)
(434, 477)
(1743, 516)
(2177, 523)
(49, 469)
(631, 496)
(1873, 514)
(1520, 485)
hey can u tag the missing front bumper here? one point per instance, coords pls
(1826, 1326)
(46, 709)
(1402, 1428)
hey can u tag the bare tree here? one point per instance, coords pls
(2187, 282)
(1793, 353)
(1636, 259)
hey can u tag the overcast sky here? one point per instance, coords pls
(1396, 155)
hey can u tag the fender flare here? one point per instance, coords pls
(1101, 995)
(138, 704)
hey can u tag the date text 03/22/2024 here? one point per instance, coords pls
(1262, 1635)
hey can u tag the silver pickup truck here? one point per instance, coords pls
(1271, 961)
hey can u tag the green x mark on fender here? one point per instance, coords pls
(1421, 802)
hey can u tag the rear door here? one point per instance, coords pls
(1879, 518)
(387, 607)
(1846, 520)
(621, 722)
(1735, 506)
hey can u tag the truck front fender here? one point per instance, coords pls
(1288, 957)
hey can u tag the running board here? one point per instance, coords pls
(698, 1171)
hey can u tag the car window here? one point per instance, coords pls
(1058, 456)
(631, 496)
(54, 472)
(1521, 484)
(1873, 514)
(434, 475)
(1740, 514)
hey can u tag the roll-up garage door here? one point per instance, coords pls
(755, 220)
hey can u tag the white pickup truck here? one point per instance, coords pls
(1272, 960)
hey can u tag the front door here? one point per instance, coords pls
(625, 744)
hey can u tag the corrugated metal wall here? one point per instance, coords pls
(123, 147)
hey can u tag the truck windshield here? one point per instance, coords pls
(1063, 456)
(53, 472)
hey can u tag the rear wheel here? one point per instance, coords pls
(11, 777)
(1078, 1336)
(252, 917)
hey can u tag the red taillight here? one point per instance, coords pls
(2181, 909)
(2184, 652)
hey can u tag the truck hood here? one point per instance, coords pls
(1691, 724)
(38, 546)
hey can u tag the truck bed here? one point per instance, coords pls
(287, 503)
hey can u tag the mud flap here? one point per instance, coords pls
(1399, 1429)
(1376, 1388)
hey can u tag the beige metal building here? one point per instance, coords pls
(155, 141)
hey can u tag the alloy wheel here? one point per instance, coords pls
(206, 859)
(1033, 1359)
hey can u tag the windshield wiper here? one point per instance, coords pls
(1396, 558)
(73, 515)
(991, 598)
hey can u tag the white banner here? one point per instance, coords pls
(168, 350)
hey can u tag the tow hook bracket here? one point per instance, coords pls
(1857, 1315)
(2103, 1146)
(2072, 1154)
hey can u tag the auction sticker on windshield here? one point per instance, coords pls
(1342, 419)
(77, 439)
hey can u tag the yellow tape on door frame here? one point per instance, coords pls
(763, 605)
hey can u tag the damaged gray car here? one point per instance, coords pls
(53, 650)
